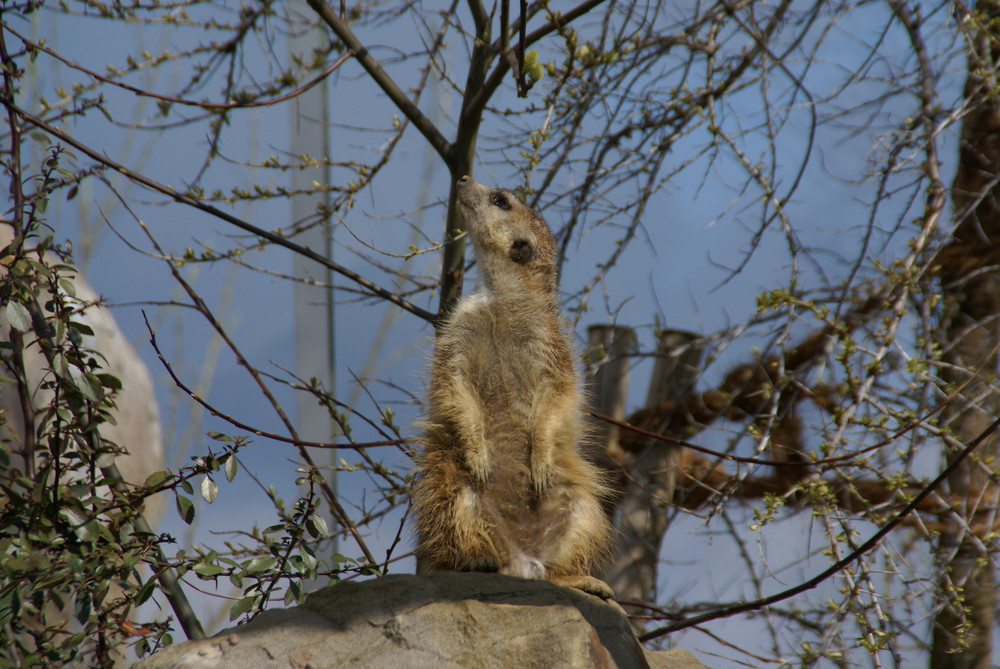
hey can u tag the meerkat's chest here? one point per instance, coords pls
(515, 347)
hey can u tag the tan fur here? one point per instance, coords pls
(500, 484)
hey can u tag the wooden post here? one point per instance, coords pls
(609, 349)
(652, 477)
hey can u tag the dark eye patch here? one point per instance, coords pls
(521, 251)
(500, 200)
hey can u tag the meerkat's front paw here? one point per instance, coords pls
(542, 473)
(478, 463)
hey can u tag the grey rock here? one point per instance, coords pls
(441, 621)
(136, 427)
(673, 659)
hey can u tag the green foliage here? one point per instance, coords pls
(71, 562)
(73, 566)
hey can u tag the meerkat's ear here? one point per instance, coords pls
(521, 251)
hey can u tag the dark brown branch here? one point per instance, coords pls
(745, 391)
(836, 567)
(384, 81)
(228, 218)
(522, 82)
(249, 428)
(701, 481)
(681, 442)
(963, 628)
(819, 395)
(478, 102)
(215, 106)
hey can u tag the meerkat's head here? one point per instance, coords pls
(514, 246)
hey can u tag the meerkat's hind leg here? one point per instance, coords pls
(588, 584)
(524, 566)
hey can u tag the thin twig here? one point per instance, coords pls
(335, 506)
(249, 428)
(229, 218)
(873, 541)
(384, 81)
(215, 106)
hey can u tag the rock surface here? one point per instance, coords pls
(441, 621)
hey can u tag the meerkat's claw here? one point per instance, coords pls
(541, 480)
(588, 584)
(542, 473)
(479, 465)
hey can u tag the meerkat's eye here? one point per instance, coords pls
(500, 200)
(521, 251)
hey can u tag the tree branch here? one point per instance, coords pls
(250, 428)
(229, 218)
(872, 541)
(503, 65)
(215, 106)
(384, 81)
(745, 390)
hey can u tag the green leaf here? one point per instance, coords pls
(110, 381)
(230, 468)
(90, 386)
(258, 565)
(82, 328)
(241, 607)
(10, 605)
(316, 525)
(309, 560)
(18, 316)
(60, 366)
(156, 478)
(209, 489)
(146, 591)
(208, 570)
(83, 607)
(185, 507)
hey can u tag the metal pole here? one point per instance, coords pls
(314, 308)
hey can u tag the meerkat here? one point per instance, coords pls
(500, 483)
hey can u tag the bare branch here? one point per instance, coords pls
(218, 213)
(384, 81)
(215, 106)
(859, 552)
